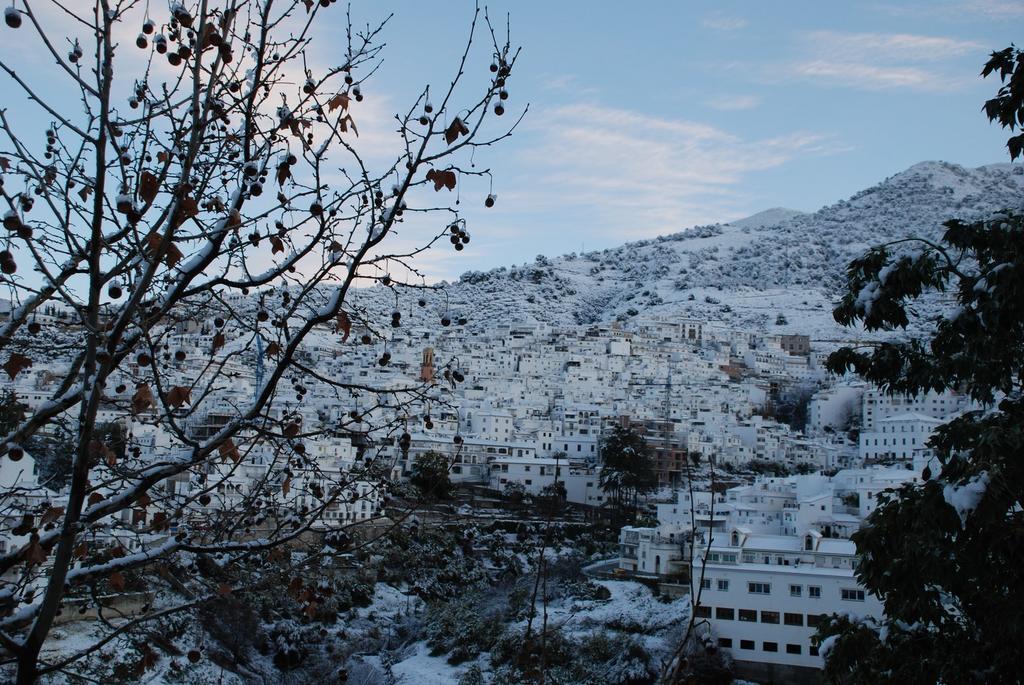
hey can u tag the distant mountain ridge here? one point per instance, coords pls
(778, 270)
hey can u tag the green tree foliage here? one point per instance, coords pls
(627, 470)
(945, 555)
(430, 475)
(12, 411)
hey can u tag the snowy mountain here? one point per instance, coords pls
(743, 274)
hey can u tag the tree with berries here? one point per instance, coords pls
(186, 218)
(945, 554)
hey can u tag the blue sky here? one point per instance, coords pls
(649, 117)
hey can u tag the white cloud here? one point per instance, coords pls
(646, 175)
(878, 61)
(996, 8)
(955, 10)
(733, 102)
(877, 46)
(559, 82)
(869, 77)
(720, 21)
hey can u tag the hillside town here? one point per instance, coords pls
(511, 343)
(765, 462)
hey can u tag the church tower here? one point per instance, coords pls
(427, 367)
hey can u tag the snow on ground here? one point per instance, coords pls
(632, 606)
(389, 601)
(423, 669)
(632, 609)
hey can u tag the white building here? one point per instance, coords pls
(878, 405)
(897, 437)
(764, 596)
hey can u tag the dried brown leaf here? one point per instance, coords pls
(344, 325)
(189, 207)
(35, 553)
(453, 131)
(142, 399)
(50, 515)
(340, 100)
(26, 525)
(442, 179)
(16, 364)
(178, 396)
(149, 185)
(160, 521)
(228, 450)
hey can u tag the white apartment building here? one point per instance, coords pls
(764, 595)
(534, 474)
(661, 551)
(878, 405)
(898, 437)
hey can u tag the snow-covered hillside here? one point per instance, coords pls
(743, 274)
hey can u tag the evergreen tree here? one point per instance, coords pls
(945, 554)
(627, 470)
(12, 411)
(429, 473)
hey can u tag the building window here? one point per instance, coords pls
(813, 620)
(746, 644)
(748, 615)
(705, 583)
(723, 585)
(725, 642)
(769, 617)
(793, 619)
(702, 611)
(813, 651)
(793, 649)
(771, 646)
(759, 588)
(725, 614)
(852, 595)
(796, 590)
(814, 591)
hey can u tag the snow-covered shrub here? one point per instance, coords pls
(289, 644)
(233, 625)
(436, 563)
(463, 629)
(595, 658)
(472, 676)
